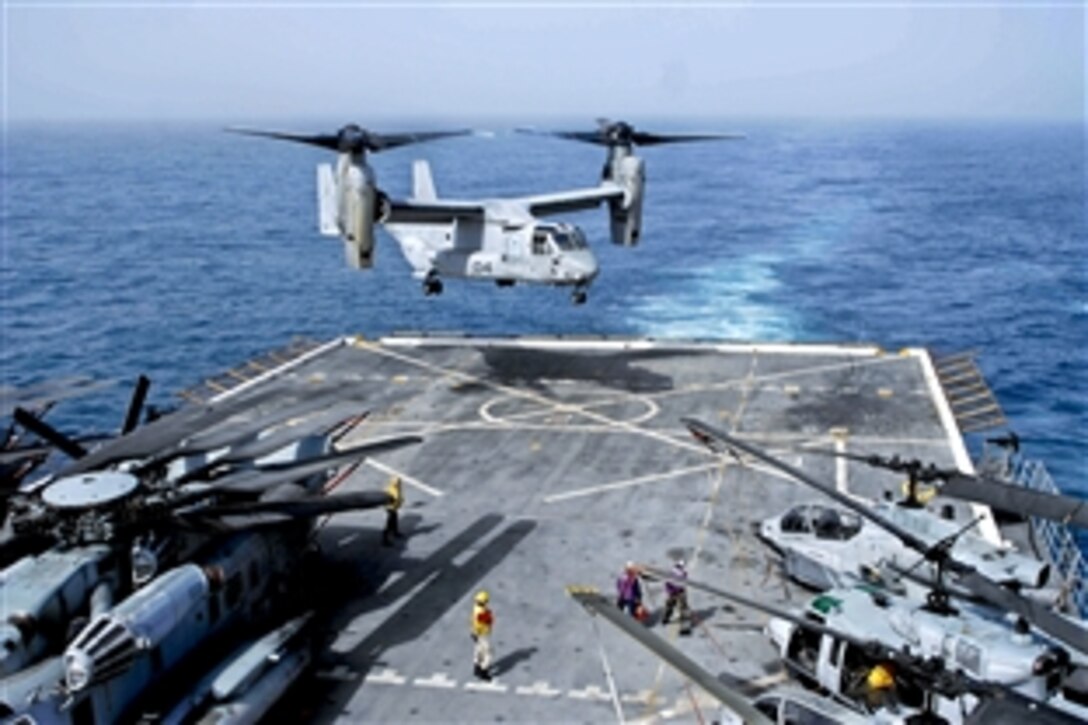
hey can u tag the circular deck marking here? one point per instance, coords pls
(560, 415)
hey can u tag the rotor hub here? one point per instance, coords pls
(89, 490)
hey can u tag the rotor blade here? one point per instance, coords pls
(708, 433)
(18, 455)
(265, 477)
(1018, 499)
(987, 490)
(136, 405)
(651, 139)
(265, 445)
(166, 432)
(324, 140)
(385, 141)
(43, 430)
(227, 435)
(595, 603)
(1039, 615)
(306, 508)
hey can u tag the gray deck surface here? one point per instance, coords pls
(552, 463)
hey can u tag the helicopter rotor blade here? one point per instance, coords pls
(167, 432)
(386, 141)
(1010, 497)
(1044, 619)
(255, 480)
(136, 405)
(322, 140)
(310, 507)
(595, 603)
(46, 432)
(279, 439)
(228, 433)
(982, 489)
(653, 139)
(354, 139)
(620, 133)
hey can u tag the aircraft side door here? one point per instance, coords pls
(829, 664)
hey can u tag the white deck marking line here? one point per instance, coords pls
(540, 688)
(387, 676)
(529, 395)
(628, 483)
(413, 482)
(840, 465)
(486, 687)
(591, 692)
(439, 679)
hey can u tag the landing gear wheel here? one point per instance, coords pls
(579, 296)
(432, 286)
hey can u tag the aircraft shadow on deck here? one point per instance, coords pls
(448, 585)
(611, 370)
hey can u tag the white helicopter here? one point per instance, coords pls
(503, 240)
(822, 544)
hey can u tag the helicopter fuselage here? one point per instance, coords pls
(525, 250)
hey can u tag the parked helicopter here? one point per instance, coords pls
(967, 670)
(1055, 625)
(820, 543)
(175, 549)
(502, 240)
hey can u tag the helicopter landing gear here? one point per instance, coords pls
(432, 285)
(579, 296)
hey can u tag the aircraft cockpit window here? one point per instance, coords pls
(832, 524)
(795, 522)
(769, 707)
(563, 241)
(540, 242)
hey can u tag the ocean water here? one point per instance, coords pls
(179, 250)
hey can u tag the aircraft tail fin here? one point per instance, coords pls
(326, 201)
(422, 182)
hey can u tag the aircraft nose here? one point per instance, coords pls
(585, 268)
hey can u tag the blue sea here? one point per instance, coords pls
(178, 250)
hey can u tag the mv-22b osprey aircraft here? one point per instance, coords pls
(503, 240)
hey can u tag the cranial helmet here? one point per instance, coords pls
(482, 597)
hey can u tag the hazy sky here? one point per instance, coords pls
(251, 61)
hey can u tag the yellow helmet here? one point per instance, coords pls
(482, 597)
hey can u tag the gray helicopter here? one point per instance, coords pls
(822, 544)
(500, 240)
(975, 672)
(168, 588)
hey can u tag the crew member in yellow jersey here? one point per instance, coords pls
(880, 687)
(482, 621)
(396, 498)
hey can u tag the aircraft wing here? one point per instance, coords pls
(403, 211)
(573, 200)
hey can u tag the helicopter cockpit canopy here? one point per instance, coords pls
(822, 521)
(552, 238)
